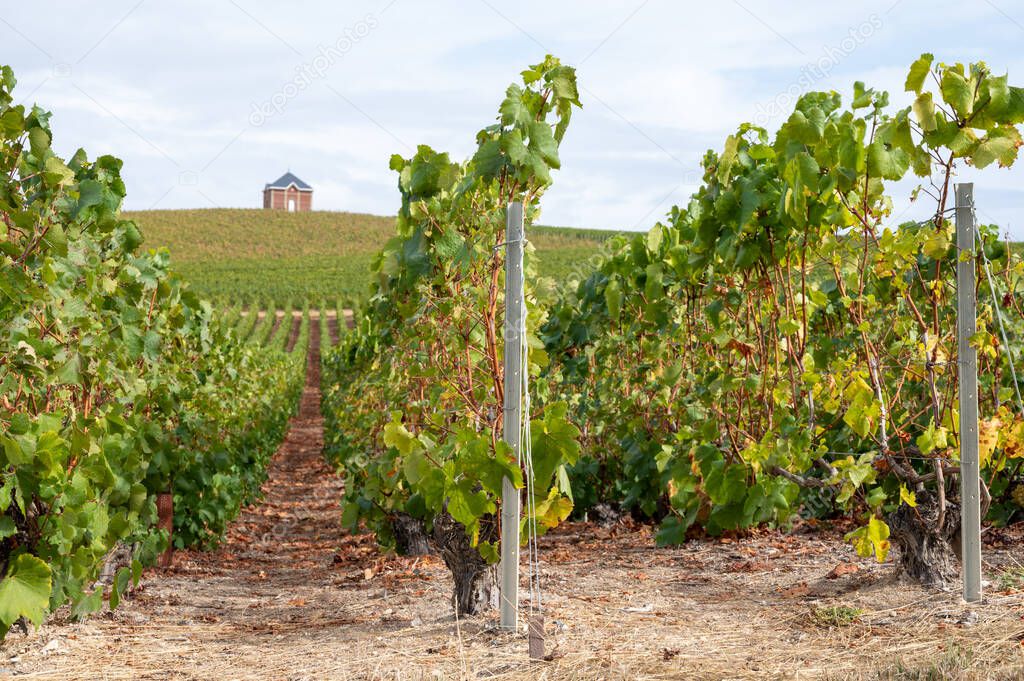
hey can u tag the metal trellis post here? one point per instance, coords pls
(512, 423)
(966, 322)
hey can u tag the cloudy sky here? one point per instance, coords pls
(206, 100)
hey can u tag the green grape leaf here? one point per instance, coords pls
(39, 141)
(613, 299)
(466, 504)
(24, 591)
(513, 110)
(999, 145)
(7, 527)
(56, 173)
(957, 92)
(554, 441)
(886, 162)
(542, 142)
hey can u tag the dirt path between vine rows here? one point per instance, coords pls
(293, 334)
(278, 317)
(332, 326)
(290, 596)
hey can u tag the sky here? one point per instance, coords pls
(208, 100)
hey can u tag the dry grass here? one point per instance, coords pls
(616, 609)
(289, 596)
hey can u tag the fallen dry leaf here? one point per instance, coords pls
(842, 569)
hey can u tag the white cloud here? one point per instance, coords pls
(179, 80)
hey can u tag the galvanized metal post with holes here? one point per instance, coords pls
(966, 323)
(512, 422)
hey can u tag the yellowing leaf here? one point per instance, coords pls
(988, 437)
(396, 435)
(550, 511)
(918, 72)
(924, 110)
(937, 245)
(931, 350)
(873, 538)
(1013, 440)
(907, 497)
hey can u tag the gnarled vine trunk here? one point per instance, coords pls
(410, 535)
(118, 557)
(476, 584)
(928, 553)
(604, 514)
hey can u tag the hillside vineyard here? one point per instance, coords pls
(279, 443)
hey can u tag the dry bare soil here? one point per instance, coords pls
(291, 596)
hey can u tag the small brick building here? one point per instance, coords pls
(288, 193)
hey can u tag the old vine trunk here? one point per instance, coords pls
(410, 535)
(928, 553)
(476, 587)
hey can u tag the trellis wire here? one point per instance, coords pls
(998, 313)
(526, 447)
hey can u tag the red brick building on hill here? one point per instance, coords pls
(288, 193)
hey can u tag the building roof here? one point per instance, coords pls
(288, 180)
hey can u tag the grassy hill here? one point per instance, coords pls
(262, 257)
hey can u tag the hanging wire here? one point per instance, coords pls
(526, 449)
(998, 312)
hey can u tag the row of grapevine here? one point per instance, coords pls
(116, 384)
(413, 396)
(781, 344)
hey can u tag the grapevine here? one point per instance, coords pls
(116, 384)
(413, 406)
(784, 340)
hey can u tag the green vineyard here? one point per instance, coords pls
(336, 445)
(119, 385)
(274, 257)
